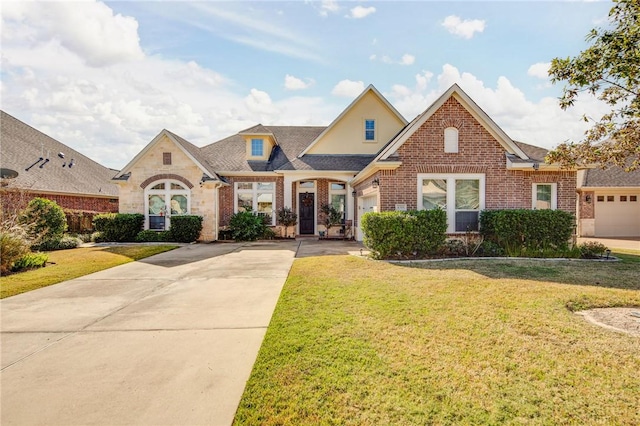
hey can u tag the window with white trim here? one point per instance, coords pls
(258, 197)
(338, 196)
(461, 196)
(257, 147)
(544, 196)
(165, 198)
(451, 139)
(370, 130)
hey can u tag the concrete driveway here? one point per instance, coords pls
(164, 341)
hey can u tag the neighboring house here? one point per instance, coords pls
(31, 167)
(368, 159)
(609, 203)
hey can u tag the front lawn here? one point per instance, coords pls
(358, 342)
(74, 263)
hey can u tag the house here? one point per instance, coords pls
(609, 202)
(369, 158)
(32, 167)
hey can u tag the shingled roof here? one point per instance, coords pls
(611, 177)
(22, 145)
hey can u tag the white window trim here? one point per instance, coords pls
(333, 192)
(167, 192)
(262, 149)
(554, 194)
(451, 193)
(375, 130)
(254, 191)
(451, 143)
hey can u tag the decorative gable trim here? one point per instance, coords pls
(458, 94)
(165, 176)
(370, 88)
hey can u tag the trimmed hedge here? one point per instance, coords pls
(523, 232)
(149, 236)
(246, 226)
(118, 227)
(404, 234)
(64, 243)
(185, 228)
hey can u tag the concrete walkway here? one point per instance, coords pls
(169, 340)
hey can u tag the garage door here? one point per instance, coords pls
(617, 215)
(366, 204)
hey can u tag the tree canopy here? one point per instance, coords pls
(610, 70)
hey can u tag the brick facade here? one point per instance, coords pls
(227, 194)
(18, 200)
(478, 152)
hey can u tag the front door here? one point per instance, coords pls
(306, 213)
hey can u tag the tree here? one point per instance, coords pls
(610, 70)
(331, 216)
(287, 218)
(45, 220)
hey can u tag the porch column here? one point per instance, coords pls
(288, 195)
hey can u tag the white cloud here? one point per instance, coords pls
(294, 83)
(373, 57)
(348, 88)
(407, 59)
(541, 123)
(328, 6)
(539, 70)
(360, 12)
(88, 29)
(465, 29)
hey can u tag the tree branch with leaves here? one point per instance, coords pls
(610, 70)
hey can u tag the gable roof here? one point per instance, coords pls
(611, 177)
(189, 149)
(369, 88)
(22, 145)
(454, 91)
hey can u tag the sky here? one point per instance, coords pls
(106, 77)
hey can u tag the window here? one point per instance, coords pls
(258, 197)
(450, 139)
(544, 196)
(633, 198)
(338, 196)
(165, 199)
(369, 130)
(166, 158)
(257, 148)
(623, 198)
(610, 198)
(461, 196)
(600, 198)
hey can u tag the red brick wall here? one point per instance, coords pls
(227, 196)
(18, 200)
(587, 209)
(478, 152)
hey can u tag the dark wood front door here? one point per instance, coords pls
(306, 210)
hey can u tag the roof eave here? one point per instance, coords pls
(374, 167)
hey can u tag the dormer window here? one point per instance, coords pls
(451, 139)
(369, 130)
(257, 147)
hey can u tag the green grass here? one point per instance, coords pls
(357, 342)
(74, 263)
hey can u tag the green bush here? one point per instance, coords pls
(119, 227)
(269, 234)
(64, 243)
(404, 234)
(246, 226)
(543, 233)
(44, 220)
(287, 218)
(30, 261)
(12, 247)
(97, 237)
(185, 228)
(592, 250)
(149, 236)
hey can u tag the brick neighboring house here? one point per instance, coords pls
(369, 158)
(609, 203)
(82, 189)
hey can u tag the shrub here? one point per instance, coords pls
(30, 261)
(12, 247)
(44, 220)
(246, 226)
(185, 228)
(404, 234)
(119, 227)
(592, 250)
(97, 237)
(525, 232)
(269, 234)
(287, 218)
(64, 243)
(148, 236)
(330, 216)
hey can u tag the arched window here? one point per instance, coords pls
(450, 139)
(163, 199)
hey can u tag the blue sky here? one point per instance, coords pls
(106, 77)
